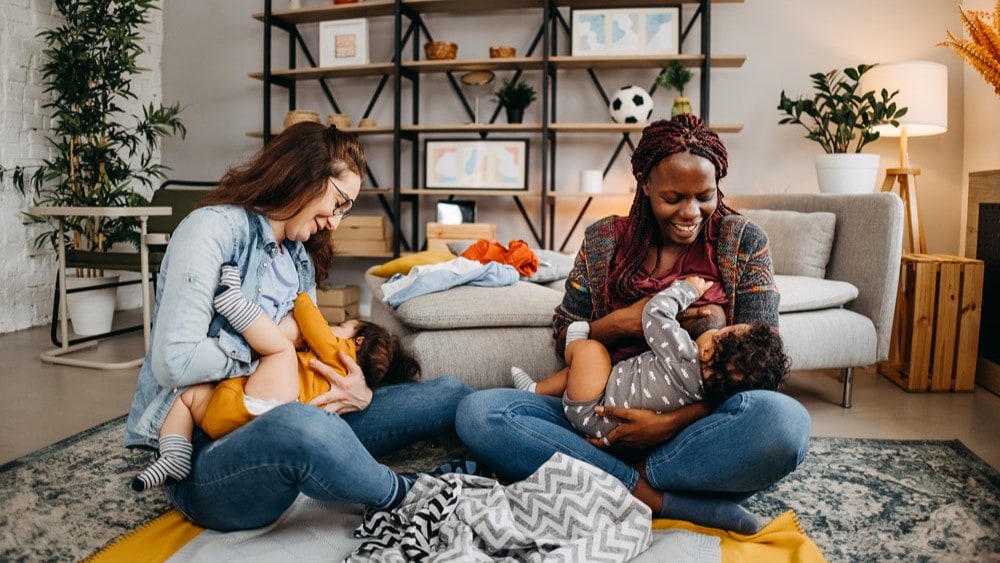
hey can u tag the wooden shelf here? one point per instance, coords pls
(353, 71)
(644, 61)
(359, 131)
(474, 128)
(465, 65)
(551, 196)
(315, 14)
(627, 128)
(470, 192)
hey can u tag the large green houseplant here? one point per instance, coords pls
(841, 120)
(101, 152)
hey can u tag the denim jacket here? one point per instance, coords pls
(190, 342)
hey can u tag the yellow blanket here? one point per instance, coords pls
(782, 540)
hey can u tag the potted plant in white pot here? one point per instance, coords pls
(841, 120)
(101, 153)
(515, 96)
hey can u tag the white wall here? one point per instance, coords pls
(26, 275)
(210, 47)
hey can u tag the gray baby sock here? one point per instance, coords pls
(522, 380)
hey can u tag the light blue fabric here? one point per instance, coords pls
(492, 274)
(190, 343)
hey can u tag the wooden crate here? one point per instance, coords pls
(337, 315)
(338, 295)
(935, 332)
(439, 234)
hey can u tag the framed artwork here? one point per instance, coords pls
(494, 164)
(343, 42)
(626, 31)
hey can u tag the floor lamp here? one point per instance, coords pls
(923, 89)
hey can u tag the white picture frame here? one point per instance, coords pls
(343, 42)
(625, 32)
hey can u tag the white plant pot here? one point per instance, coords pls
(91, 311)
(847, 173)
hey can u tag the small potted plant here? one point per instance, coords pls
(514, 96)
(841, 120)
(675, 76)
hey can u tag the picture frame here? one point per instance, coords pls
(492, 164)
(343, 42)
(625, 31)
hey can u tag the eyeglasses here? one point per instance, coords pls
(342, 209)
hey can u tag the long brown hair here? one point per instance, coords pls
(660, 139)
(290, 172)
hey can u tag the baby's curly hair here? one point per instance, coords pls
(383, 358)
(755, 359)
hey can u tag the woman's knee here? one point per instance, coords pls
(447, 388)
(479, 412)
(296, 431)
(783, 426)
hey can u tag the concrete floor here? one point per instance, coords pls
(41, 404)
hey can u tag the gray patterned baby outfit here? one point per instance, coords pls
(664, 378)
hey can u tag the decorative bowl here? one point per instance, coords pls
(440, 50)
(296, 115)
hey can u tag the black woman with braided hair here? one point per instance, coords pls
(698, 462)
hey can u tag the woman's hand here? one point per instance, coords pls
(641, 428)
(349, 393)
(697, 320)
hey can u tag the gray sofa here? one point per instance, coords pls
(837, 264)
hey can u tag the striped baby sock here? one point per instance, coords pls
(230, 303)
(174, 461)
(522, 380)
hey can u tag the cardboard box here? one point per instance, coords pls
(360, 247)
(338, 295)
(439, 234)
(337, 315)
(364, 227)
(935, 331)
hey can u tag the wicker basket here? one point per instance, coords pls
(338, 119)
(296, 115)
(502, 52)
(440, 50)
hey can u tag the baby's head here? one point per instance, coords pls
(382, 357)
(739, 358)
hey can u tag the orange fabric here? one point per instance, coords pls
(518, 255)
(780, 541)
(226, 410)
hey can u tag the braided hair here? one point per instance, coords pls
(660, 139)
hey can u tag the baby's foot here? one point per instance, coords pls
(230, 303)
(174, 462)
(522, 380)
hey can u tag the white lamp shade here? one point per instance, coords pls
(923, 88)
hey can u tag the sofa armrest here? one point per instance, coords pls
(867, 247)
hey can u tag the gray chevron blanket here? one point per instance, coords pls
(566, 511)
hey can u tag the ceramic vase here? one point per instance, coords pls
(847, 173)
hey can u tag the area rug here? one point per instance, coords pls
(858, 499)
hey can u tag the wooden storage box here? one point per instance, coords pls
(337, 315)
(439, 234)
(935, 332)
(338, 295)
(363, 235)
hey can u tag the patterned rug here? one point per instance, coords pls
(859, 500)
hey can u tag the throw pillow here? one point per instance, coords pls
(800, 242)
(803, 293)
(404, 264)
(552, 266)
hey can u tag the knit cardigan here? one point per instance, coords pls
(742, 255)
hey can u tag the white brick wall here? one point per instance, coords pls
(26, 275)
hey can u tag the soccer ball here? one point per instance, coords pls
(631, 104)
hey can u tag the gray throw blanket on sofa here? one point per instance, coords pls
(566, 511)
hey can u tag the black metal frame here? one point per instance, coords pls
(409, 35)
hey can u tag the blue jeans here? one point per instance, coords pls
(748, 443)
(248, 478)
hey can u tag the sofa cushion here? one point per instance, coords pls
(518, 305)
(804, 293)
(800, 242)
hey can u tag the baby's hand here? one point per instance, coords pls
(699, 284)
